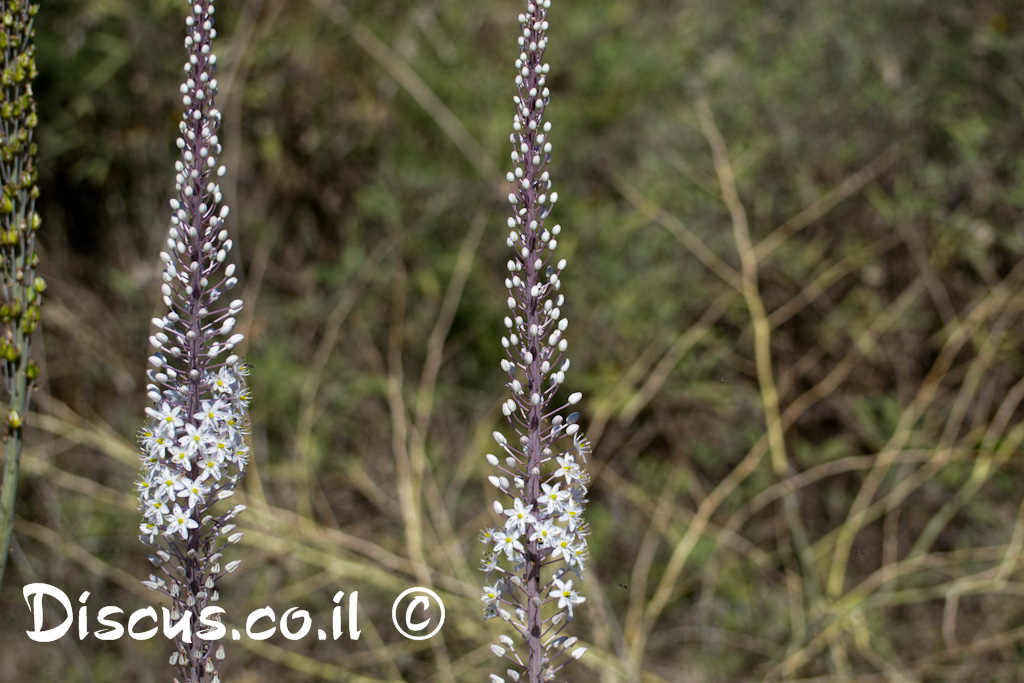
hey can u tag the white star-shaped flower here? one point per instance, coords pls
(553, 497)
(519, 516)
(180, 523)
(508, 543)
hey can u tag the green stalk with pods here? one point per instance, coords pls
(20, 288)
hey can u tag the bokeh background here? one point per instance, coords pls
(795, 238)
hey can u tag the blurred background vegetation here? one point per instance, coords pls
(795, 274)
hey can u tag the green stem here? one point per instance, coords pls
(12, 460)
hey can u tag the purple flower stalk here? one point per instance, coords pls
(543, 539)
(193, 446)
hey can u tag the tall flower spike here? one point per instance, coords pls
(541, 473)
(193, 445)
(20, 289)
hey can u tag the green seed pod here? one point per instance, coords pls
(39, 284)
(32, 371)
(14, 420)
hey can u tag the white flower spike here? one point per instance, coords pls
(193, 448)
(543, 527)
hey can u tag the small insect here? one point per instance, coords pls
(622, 585)
(721, 378)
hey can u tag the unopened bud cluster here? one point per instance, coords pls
(541, 472)
(193, 444)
